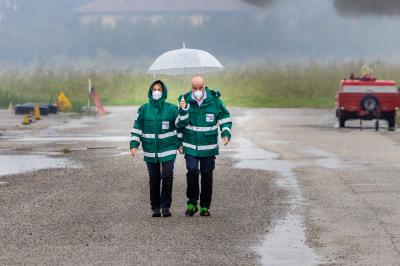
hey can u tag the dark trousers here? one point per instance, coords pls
(158, 172)
(207, 165)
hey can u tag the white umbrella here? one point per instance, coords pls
(185, 62)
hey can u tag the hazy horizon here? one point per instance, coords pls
(52, 33)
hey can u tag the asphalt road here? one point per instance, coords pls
(341, 187)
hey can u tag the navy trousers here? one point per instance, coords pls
(161, 174)
(207, 166)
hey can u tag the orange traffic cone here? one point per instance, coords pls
(36, 112)
(26, 120)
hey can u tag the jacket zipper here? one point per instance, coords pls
(157, 124)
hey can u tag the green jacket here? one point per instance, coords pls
(200, 136)
(156, 127)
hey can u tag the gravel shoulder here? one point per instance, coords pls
(99, 213)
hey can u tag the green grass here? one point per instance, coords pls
(310, 85)
(398, 118)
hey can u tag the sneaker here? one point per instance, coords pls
(156, 213)
(166, 212)
(191, 210)
(204, 212)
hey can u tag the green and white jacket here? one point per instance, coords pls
(200, 135)
(156, 128)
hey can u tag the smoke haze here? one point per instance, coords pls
(53, 32)
(368, 7)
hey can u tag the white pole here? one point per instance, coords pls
(89, 92)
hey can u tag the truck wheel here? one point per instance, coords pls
(369, 103)
(391, 118)
(342, 121)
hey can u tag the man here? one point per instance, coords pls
(156, 127)
(200, 142)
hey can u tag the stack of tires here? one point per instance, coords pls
(45, 109)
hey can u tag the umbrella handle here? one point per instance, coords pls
(187, 105)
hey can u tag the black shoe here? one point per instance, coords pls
(156, 213)
(191, 210)
(204, 212)
(166, 212)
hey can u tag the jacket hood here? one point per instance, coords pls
(164, 93)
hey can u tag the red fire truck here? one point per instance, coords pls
(368, 99)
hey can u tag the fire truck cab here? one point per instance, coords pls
(368, 99)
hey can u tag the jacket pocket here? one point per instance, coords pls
(211, 133)
(148, 144)
(168, 143)
(211, 137)
(150, 125)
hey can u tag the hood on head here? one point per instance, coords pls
(164, 94)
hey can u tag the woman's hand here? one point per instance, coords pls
(134, 151)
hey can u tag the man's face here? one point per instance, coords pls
(197, 87)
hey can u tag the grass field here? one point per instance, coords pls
(311, 85)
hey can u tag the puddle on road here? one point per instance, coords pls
(285, 244)
(325, 159)
(15, 164)
(71, 139)
(125, 153)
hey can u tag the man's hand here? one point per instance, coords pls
(182, 103)
(180, 149)
(225, 140)
(134, 151)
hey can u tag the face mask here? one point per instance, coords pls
(198, 94)
(157, 95)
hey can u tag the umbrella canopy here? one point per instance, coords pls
(185, 62)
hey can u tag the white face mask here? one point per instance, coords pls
(198, 94)
(157, 95)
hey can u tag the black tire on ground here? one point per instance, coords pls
(391, 118)
(53, 109)
(342, 120)
(22, 109)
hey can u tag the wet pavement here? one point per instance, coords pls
(348, 181)
(99, 213)
(291, 189)
(15, 164)
(286, 243)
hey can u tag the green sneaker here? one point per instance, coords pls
(191, 210)
(204, 212)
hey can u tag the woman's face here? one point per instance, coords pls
(157, 87)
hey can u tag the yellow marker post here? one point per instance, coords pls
(26, 120)
(36, 112)
(11, 107)
(63, 103)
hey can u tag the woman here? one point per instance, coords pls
(156, 127)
